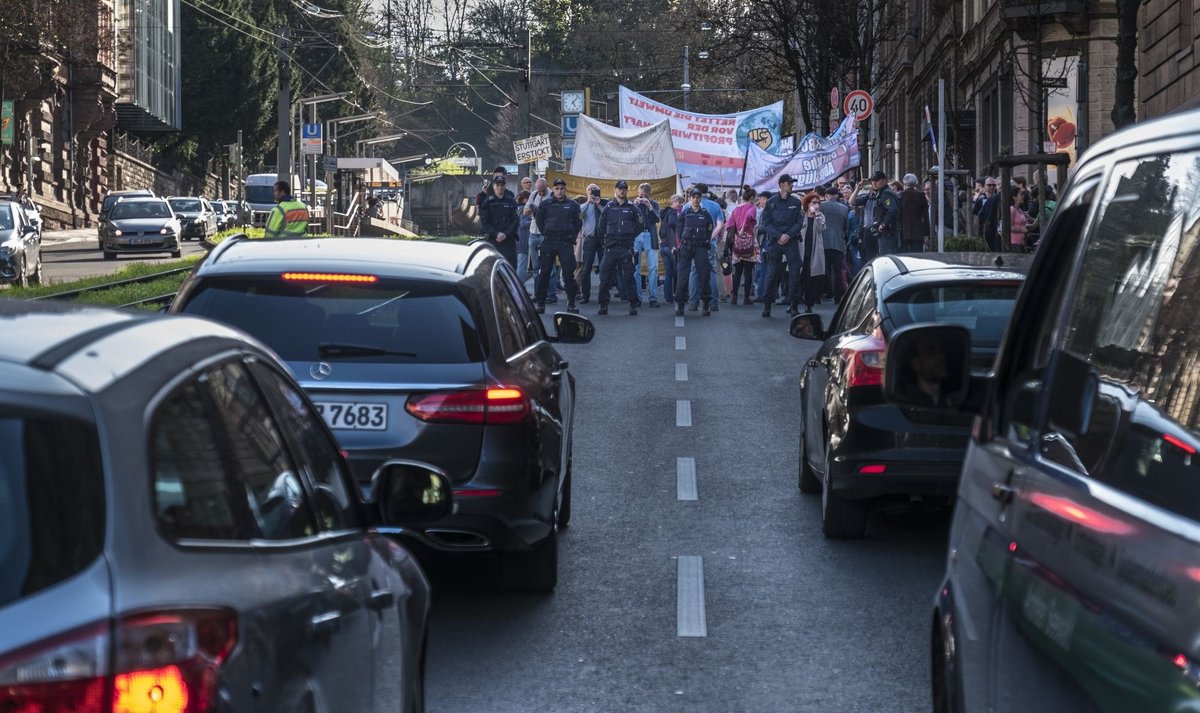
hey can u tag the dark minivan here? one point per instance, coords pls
(1073, 575)
(423, 351)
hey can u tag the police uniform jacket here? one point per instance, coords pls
(782, 216)
(559, 219)
(499, 214)
(884, 209)
(620, 222)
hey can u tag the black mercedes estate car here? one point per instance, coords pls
(858, 450)
(427, 352)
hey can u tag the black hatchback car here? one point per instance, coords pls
(178, 531)
(423, 351)
(858, 450)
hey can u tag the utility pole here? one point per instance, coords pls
(939, 190)
(524, 99)
(283, 166)
(687, 80)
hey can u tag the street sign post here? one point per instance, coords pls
(311, 140)
(570, 124)
(835, 98)
(568, 148)
(331, 164)
(535, 148)
(859, 103)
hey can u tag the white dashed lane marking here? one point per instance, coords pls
(681, 372)
(685, 479)
(683, 413)
(689, 611)
(680, 343)
(679, 321)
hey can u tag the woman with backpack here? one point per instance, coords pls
(742, 225)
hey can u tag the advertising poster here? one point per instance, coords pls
(1060, 76)
(709, 148)
(6, 123)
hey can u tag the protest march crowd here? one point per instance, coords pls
(770, 247)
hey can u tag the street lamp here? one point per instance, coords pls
(478, 165)
(358, 145)
(312, 103)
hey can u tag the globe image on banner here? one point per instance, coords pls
(762, 127)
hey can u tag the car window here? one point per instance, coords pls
(982, 307)
(195, 490)
(6, 218)
(389, 321)
(277, 500)
(510, 321)
(51, 501)
(140, 209)
(534, 332)
(1133, 321)
(332, 499)
(182, 205)
(859, 303)
(1034, 326)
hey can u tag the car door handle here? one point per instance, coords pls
(325, 624)
(557, 374)
(381, 599)
(1002, 493)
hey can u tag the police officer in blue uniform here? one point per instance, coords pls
(560, 221)
(695, 234)
(782, 223)
(500, 220)
(620, 223)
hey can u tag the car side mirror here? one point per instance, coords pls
(1076, 387)
(409, 493)
(928, 366)
(29, 229)
(807, 326)
(573, 329)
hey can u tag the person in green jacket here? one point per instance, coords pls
(289, 219)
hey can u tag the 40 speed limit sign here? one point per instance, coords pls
(859, 103)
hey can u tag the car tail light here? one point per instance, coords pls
(165, 662)
(328, 277)
(872, 469)
(493, 405)
(865, 360)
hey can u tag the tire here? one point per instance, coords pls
(564, 506)
(417, 705)
(841, 519)
(110, 255)
(36, 277)
(177, 254)
(946, 696)
(532, 571)
(808, 481)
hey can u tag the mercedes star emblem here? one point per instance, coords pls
(320, 371)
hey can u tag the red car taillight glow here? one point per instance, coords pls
(865, 360)
(165, 662)
(494, 405)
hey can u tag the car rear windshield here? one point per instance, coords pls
(260, 194)
(185, 205)
(394, 322)
(140, 209)
(51, 501)
(982, 307)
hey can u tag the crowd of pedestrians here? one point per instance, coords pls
(780, 248)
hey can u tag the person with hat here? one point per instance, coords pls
(646, 241)
(696, 228)
(782, 222)
(558, 219)
(620, 223)
(592, 253)
(881, 214)
(487, 187)
(500, 219)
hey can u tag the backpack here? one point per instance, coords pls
(744, 245)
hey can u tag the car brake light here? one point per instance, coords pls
(1179, 443)
(496, 405)
(865, 360)
(873, 469)
(166, 662)
(328, 277)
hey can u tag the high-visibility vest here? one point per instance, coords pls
(289, 219)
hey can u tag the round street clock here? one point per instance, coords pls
(573, 101)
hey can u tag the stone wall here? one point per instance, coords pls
(127, 172)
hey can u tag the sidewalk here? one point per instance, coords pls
(62, 237)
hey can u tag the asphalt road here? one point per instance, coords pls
(64, 261)
(793, 622)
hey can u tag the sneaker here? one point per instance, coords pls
(540, 307)
(693, 308)
(603, 309)
(723, 299)
(706, 311)
(792, 310)
(654, 303)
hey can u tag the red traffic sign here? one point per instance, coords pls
(859, 103)
(835, 98)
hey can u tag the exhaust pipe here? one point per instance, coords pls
(456, 540)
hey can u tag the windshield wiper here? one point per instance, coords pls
(332, 349)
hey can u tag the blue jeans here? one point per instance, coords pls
(693, 292)
(760, 279)
(640, 243)
(523, 266)
(668, 260)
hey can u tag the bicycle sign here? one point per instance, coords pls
(858, 103)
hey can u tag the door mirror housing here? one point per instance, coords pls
(409, 493)
(808, 326)
(1076, 387)
(928, 366)
(573, 329)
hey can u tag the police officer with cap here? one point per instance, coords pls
(881, 216)
(500, 219)
(560, 221)
(695, 233)
(620, 223)
(782, 223)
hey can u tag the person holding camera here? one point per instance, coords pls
(881, 214)
(646, 241)
(592, 250)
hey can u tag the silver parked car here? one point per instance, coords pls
(178, 530)
(196, 216)
(20, 247)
